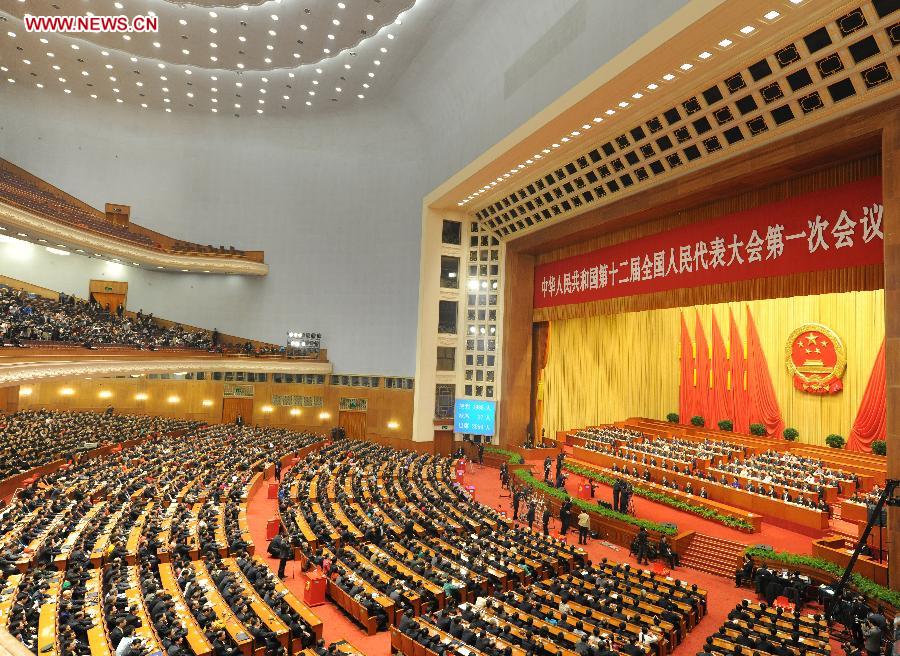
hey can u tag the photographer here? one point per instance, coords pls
(872, 633)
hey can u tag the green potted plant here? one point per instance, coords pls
(672, 417)
(790, 434)
(726, 425)
(835, 441)
(879, 448)
(757, 429)
(697, 420)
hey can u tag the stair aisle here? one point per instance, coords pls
(713, 555)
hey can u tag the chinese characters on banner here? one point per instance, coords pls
(831, 229)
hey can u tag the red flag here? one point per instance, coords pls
(763, 403)
(738, 366)
(722, 403)
(704, 406)
(687, 391)
(871, 418)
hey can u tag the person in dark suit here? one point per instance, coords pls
(565, 516)
(545, 519)
(548, 465)
(617, 491)
(642, 546)
(529, 517)
(745, 572)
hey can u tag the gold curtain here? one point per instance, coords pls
(608, 368)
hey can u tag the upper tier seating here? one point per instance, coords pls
(22, 192)
(28, 317)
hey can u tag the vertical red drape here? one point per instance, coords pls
(704, 405)
(687, 391)
(738, 364)
(721, 402)
(763, 404)
(871, 418)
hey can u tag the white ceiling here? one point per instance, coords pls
(225, 57)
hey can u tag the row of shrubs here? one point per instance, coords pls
(835, 441)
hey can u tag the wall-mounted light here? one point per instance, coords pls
(140, 396)
(104, 394)
(67, 391)
(207, 403)
(25, 391)
(267, 408)
(324, 415)
(393, 425)
(296, 412)
(173, 399)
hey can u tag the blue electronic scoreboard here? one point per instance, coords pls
(474, 417)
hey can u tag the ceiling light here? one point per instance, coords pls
(360, 96)
(12, 34)
(705, 55)
(668, 77)
(274, 17)
(390, 36)
(686, 67)
(623, 104)
(182, 21)
(308, 104)
(303, 27)
(610, 112)
(213, 30)
(269, 46)
(383, 49)
(637, 96)
(214, 110)
(772, 15)
(39, 85)
(128, 38)
(94, 96)
(724, 43)
(118, 5)
(653, 86)
(75, 46)
(144, 105)
(109, 67)
(365, 86)
(341, 5)
(747, 29)
(160, 65)
(335, 21)
(43, 40)
(213, 45)
(272, 32)
(185, 51)
(156, 44)
(331, 37)
(370, 17)
(240, 66)
(242, 39)
(213, 14)
(56, 251)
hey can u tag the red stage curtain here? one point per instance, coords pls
(763, 404)
(738, 363)
(704, 404)
(687, 393)
(871, 418)
(722, 405)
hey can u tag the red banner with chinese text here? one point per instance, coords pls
(836, 228)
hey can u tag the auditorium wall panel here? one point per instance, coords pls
(609, 367)
(185, 398)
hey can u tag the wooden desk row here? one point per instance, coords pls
(756, 503)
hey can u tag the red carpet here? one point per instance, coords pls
(335, 625)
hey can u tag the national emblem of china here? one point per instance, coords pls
(816, 358)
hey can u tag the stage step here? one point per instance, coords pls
(713, 555)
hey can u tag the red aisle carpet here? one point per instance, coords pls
(722, 593)
(335, 625)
